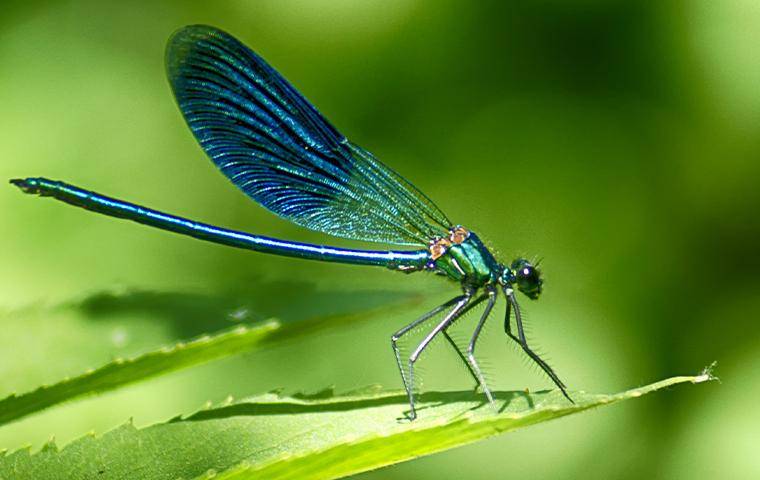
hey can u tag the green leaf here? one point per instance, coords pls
(120, 371)
(321, 436)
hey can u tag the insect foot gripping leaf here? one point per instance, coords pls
(302, 437)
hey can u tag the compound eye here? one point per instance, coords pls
(529, 281)
(528, 278)
(528, 274)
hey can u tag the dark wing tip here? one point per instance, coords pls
(179, 44)
(182, 42)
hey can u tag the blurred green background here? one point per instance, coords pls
(617, 140)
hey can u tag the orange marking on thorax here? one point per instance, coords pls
(458, 234)
(439, 245)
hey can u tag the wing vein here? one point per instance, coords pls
(279, 150)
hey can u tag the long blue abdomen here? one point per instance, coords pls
(397, 260)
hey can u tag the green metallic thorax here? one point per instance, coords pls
(469, 262)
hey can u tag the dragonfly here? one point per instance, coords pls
(276, 147)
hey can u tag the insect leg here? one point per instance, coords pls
(396, 336)
(507, 315)
(461, 355)
(471, 348)
(520, 339)
(461, 307)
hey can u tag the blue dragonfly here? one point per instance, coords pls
(280, 151)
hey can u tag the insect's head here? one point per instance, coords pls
(525, 276)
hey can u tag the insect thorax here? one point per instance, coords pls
(462, 257)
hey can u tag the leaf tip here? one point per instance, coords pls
(706, 375)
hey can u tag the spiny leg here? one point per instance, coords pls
(462, 356)
(471, 348)
(396, 336)
(522, 341)
(459, 309)
(453, 314)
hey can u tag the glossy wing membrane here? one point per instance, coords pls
(277, 148)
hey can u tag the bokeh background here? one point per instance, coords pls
(617, 140)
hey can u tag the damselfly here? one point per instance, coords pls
(279, 150)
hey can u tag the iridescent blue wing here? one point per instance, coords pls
(276, 147)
